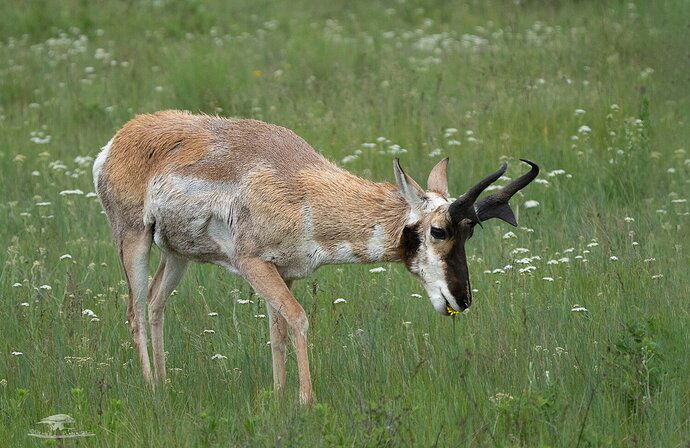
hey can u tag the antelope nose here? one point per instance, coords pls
(464, 303)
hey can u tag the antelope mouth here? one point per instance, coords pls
(449, 306)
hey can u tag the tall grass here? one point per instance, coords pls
(596, 92)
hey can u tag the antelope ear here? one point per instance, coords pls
(411, 191)
(438, 179)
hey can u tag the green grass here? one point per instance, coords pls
(521, 369)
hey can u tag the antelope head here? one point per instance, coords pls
(433, 241)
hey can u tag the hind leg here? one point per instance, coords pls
(173, 268)
(134, 254)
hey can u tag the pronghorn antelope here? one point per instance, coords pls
(257, 200)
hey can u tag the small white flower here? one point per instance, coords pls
(218, 356)
(578, 309)
(568, 250)
(679, 201)
(654, 277)
(95, 319)
(339, 300)
(629, 219)
(552, 262)
(407, 323)
(584, 129)
(548, 279)
(377, 270)
(89, 313)
(649, 260)
(527, 269)
(531, 204)
(593, 244)
(71, 192)
(66, 257)
(416, 296)
(564, 260)
(260, 316)
(509, 235)
(17, 353)
(555, 173)
(209, 331)
(213, 314)
(24, 304)
(579, 112)
(243, 302)
(42, 204)
(613, 258)
(519, 250)
(46, 287)
(17, 285)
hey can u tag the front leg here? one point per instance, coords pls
(267, 282)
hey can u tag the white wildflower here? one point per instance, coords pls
(24, 304)
(218, 356)
(578, 309)
(613, 258)
(584, 129)
(88, 313)
(416, 296)
(66, 257)
(377, 270)
(213, 314)
(209, 331)
(71, 192)
(17, 285)
(339, 300)
(17, 353)
(509, 235)
(46, 287)
(243, 302)
(548, 279)
(531, 204)
(629, 219)
(579, 112)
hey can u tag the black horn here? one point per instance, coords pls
(496, 204)
(463, 207)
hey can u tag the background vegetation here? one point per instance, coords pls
(579, 332)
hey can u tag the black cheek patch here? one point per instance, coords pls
(409, 244)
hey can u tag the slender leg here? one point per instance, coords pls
(134, 253)
(278, 329)
(173, 270)
(266, 281)
(158, 276)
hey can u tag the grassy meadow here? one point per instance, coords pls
(579, 331)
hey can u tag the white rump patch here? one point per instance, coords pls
(100, 160)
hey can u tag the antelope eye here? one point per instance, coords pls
(439, 234)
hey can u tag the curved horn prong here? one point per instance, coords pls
(463, 207)
(496, 205)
